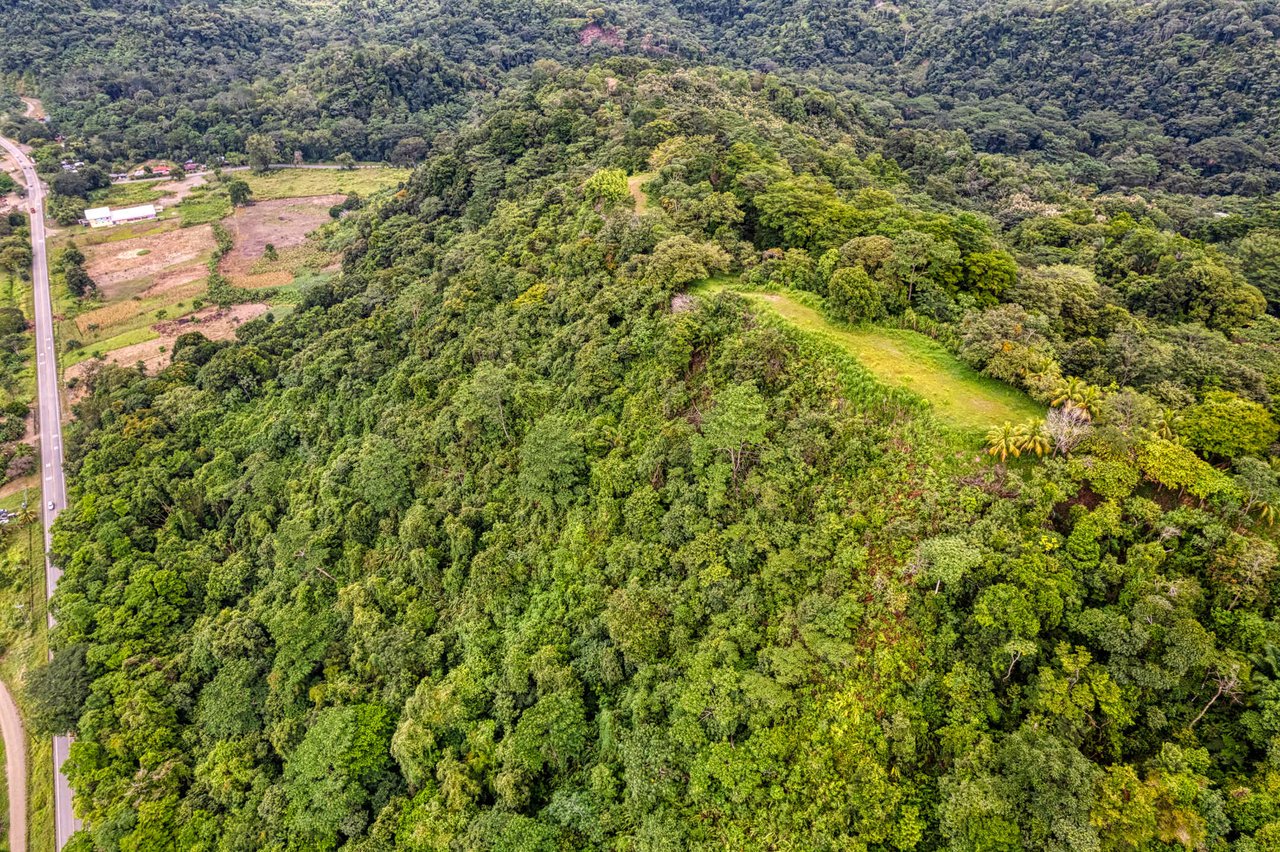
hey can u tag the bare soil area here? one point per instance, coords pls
(213, 322)
(283, 223)
(35, 109)
(176, 190)
(15, 486)
(12, 201)
(180, 282)
(180, 251)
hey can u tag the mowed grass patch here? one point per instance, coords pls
(297, 183)
(127, 194)
(109, 344)
(113, 318)
(310, 256)
(124, 323)
(958, 394)
(83, 235)
(205, 204)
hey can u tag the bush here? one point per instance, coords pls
(57, 691)
(12, 321)
(852, 296)
(1226, 425)
(12, 428)
(19, 466)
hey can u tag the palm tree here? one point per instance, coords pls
(27, 517)
(1077, 393)
(1068, 392)
(1089, 400)
(1267, 513)
(27, 514)
(1033, 438)
(1003, 441)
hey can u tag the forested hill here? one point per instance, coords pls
(1180, 94)
(139, 78)
(1158, 91)
(517, 535)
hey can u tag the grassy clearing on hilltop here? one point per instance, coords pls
(906, 359)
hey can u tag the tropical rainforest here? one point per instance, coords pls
(529, 529)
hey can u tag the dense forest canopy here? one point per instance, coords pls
(533, 528)
(1177, 93)
(507, 539)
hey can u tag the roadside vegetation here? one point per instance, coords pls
(24, 640)
(23, 625)
(17, 352)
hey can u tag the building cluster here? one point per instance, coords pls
(160, 170)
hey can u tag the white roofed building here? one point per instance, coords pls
(102, 217)
(98, 217)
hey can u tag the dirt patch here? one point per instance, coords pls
(35, 109)
(180, 189)
(153, 354)
(635, 185)
(283, 223)
(30, 482)
(176, 251)
(173, 190)
(214, 323)
(593, 33)
(178, 279)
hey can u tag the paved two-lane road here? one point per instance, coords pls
(50, 417)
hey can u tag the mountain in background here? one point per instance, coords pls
(1177, 94)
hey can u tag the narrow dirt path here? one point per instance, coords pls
(635, 185)
(15, 768)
